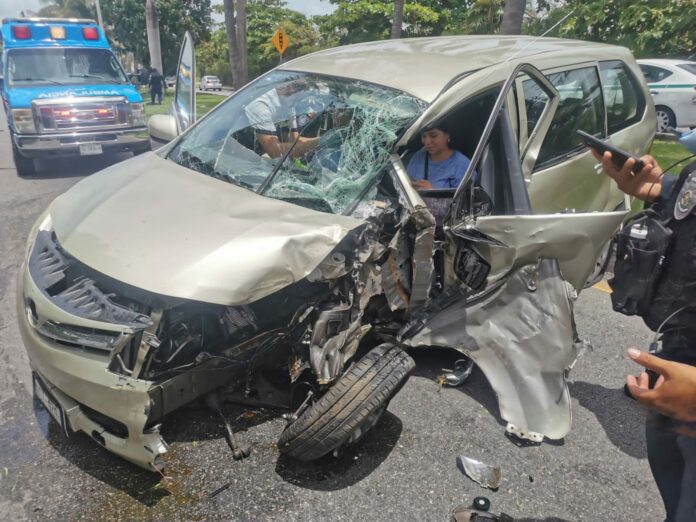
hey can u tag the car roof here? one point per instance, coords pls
(664, 61)
(425, 66)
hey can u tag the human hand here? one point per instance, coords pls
(421, 184)
(645, 184)
(674, 393)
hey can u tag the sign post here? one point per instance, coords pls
(280, 41)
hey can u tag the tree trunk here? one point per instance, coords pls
(512, 17)
(241, 22)
(398, 18)
(153, 36)
(233, 23)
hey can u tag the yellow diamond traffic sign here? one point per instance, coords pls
(280, 40)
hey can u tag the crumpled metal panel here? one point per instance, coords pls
(423, 266)
(521, 336)
(229, 247)
(576, 240)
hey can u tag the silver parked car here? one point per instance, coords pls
(210, 83)
(276, 253)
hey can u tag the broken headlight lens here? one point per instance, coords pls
(23, 121)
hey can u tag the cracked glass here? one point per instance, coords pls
(316, 141)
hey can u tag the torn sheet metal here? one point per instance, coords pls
(423, 266)
(486, 475)
(396, 272)
(522, 340)
(576, 240)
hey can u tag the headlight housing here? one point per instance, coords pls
(137, 114)
(44, 222)
(24, 121)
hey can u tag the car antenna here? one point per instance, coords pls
(554, 26)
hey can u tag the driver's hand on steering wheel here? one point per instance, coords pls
(421, 184)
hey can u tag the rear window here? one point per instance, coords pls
(580, 107)
(655, 74)
(623, 95)
(689, 67)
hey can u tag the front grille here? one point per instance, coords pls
(74, 114)
(112, 425)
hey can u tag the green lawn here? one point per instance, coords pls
(204, 102)
(669, 152)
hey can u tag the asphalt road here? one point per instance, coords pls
(403, 470)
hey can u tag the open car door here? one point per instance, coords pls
(517, 274)
(184, 104)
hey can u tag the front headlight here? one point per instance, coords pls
(137, 114)
(23, 121)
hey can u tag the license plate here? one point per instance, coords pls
(47, 401)
(90, 149)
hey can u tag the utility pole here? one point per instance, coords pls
(153, 37)
(99, 17)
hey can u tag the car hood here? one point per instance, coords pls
(164, 228)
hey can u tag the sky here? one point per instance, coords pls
(308, 7)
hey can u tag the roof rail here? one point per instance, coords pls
(49, 20)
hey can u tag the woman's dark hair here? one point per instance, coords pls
(444, 126)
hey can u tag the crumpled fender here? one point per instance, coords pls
(521, 336)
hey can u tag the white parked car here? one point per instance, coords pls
(210, 83)
(673, 87)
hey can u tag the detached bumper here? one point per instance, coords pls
(134, 140)
(112, 409)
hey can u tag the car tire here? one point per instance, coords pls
(665, 118)
(351, 407)
(25, 166)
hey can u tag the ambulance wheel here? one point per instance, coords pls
(25, 166)
(352, 406)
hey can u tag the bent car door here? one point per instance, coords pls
(516, 273)
(184, 105)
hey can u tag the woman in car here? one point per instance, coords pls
(437, 165)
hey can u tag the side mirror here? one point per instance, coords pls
(162, 128)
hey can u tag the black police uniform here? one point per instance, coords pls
(672, 311)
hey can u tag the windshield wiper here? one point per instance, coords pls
(27, 79)
(188, 160)
(267, 182)
(110, 80)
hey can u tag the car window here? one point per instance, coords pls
(654, 74)
(689, 67)
(63, 66)
(580, 107)
(623, 95)
(316, 141)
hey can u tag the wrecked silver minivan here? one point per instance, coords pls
(276, 254)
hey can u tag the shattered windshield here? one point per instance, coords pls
(316, 141)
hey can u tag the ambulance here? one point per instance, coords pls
(65, 93)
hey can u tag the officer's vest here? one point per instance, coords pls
(655, 270)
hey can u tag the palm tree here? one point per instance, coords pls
(398, 18)
(512, 17)
(235, 26)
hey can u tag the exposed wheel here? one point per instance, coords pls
(665, 118)
(25, 166)
(351, 406)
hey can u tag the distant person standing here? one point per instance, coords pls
(157, 86)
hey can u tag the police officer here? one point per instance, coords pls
(670, 310)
